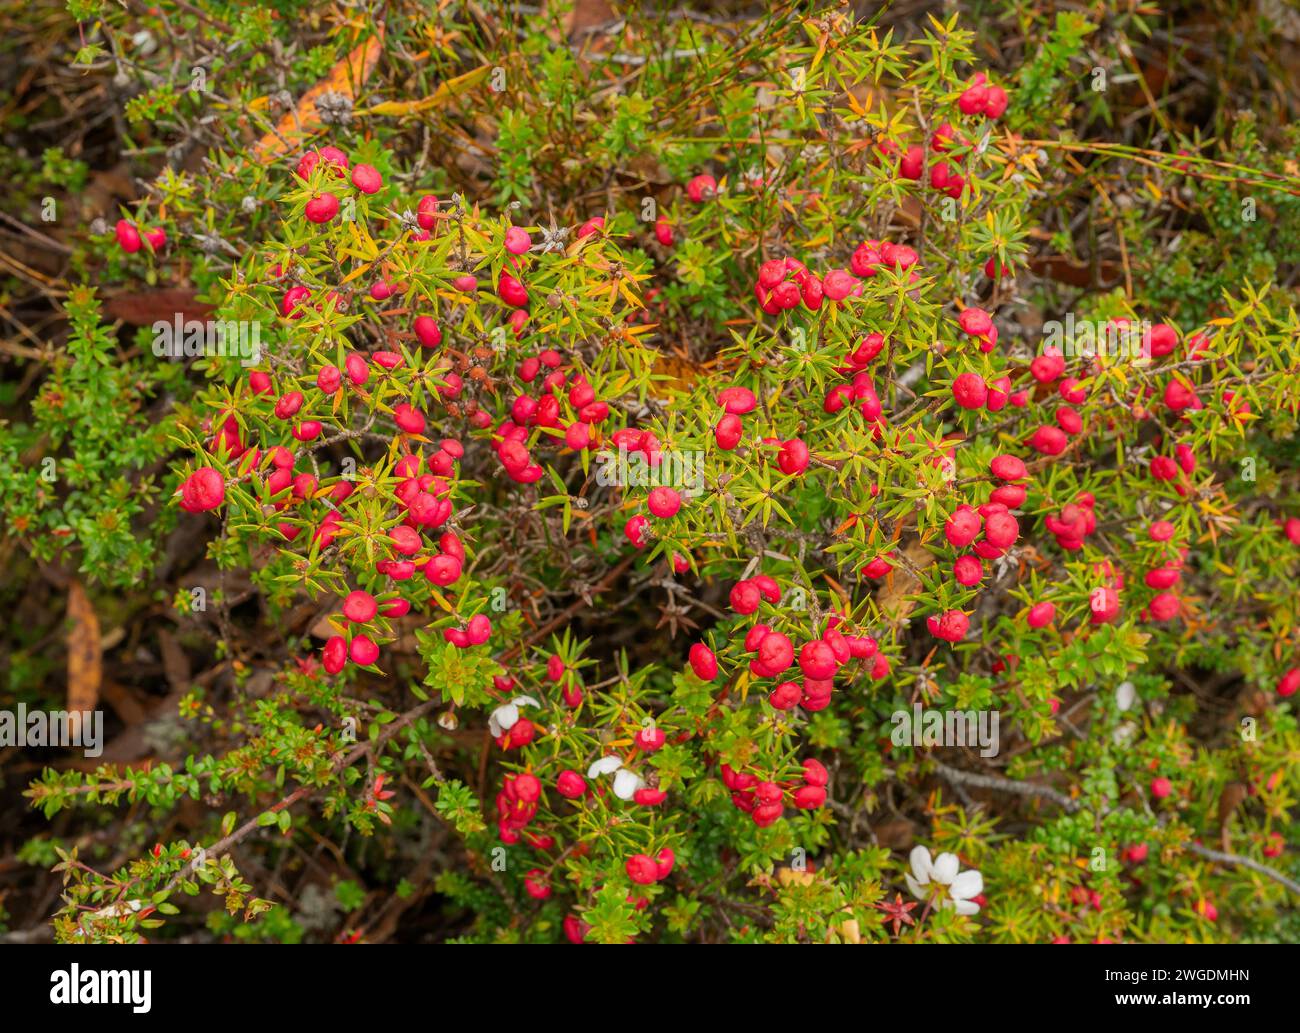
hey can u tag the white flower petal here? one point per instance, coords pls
(918, 891)
(922, 867)
(1125, 695)
(626, 783)
(604, 766)
(966, 885)
(945, 868)
(505, 717)
(966, 907)
(521, 701)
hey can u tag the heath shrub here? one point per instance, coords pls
(651, 448)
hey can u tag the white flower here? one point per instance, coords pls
(604, 766)
(944, 871)
(506, 716)
(626, 783)
(1125, 695)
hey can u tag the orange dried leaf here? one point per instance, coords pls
(346, 77)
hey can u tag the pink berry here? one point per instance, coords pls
(969, 391)
(322, 208)
(363, 651)
(360, 607)
(128, 237)
(664, 502)
(367, 179)
(1041, 615)
(517, 241)
(428, 331)
(701, 188)
(203, 490)
(571, 785)
(334, 657)
(426, 212)
(967, 570)
(703, 662)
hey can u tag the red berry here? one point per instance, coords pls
(642, 870)
(664, 502)
(648, 740)
(701, 188)
(745, 597)
(737, 400)
(427, 331)
(1041, 615)
(703, 662)
(969, 391)
(728, 432)
(975, 322)
(408, 419)
(203, 490)
(635, 531)
(962, 527)
(363, 651)
(1008, 468)
(322, 208)
(967, 570)
(951, 626)
(571, 785)
(367, 179)
(426, 213)
(817, 661)
(815, 773)
(517, 241)
(359, 607)
(1050, 441)
(912, 163)
(128, 237)
(793, 458)
(536, 885)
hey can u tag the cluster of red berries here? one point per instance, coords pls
(786, 283)
(764, 800)
(645, 870)
(359, 608)
(1075, 522)
(516, 805)
(130, 239)
(323, 206)
(1175, 469)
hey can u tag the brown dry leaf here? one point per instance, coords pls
(123, 700)
(681, 373)
(587, 14)
(1065, 270)
(895, 833)
(909, 212)
(892, 598)
(144, 308)
(346, 78)
(85, 658)
(176, 665)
